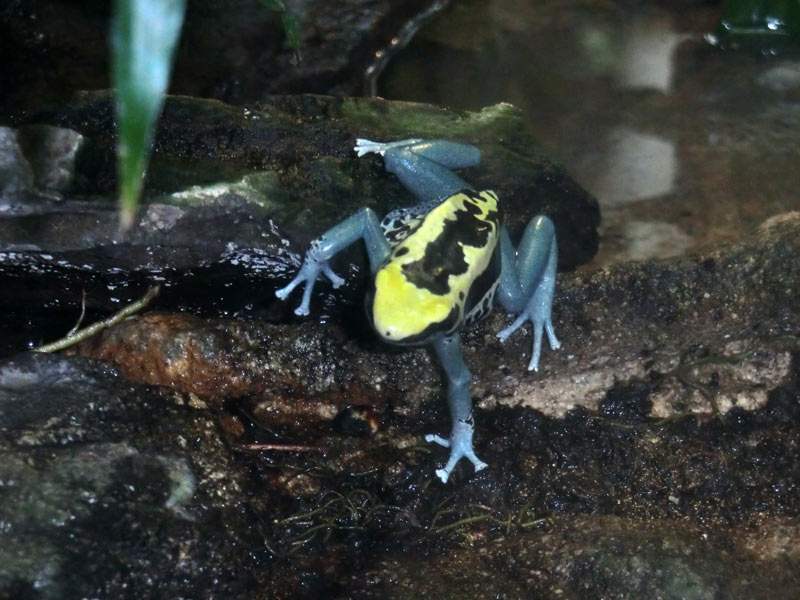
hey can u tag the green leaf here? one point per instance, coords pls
(291, 26)
(276, 5)
(292, 29)
(144, 34)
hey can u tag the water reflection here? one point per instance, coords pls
(646, 59)
(661, 126)
(636, 166)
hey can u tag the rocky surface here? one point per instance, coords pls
(112, 490)
(117, 489)
(258, 183)
(700, 334)
(611, 472)
(606, 557)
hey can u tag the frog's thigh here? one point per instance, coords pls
(427, 179)
(524, 269)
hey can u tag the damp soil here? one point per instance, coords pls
(360, 517)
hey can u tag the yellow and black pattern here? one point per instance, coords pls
(433, 276)
(402, 222)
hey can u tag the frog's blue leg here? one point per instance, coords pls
(362, 225)
(528, 280)
(448, 349)
(424, 166)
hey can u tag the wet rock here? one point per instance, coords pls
(258, 183)
(232, 50)
(692, 335)
(297, 376)
(781, 78)
(576, 502)
(114, 490)
(15, 171)
(606, 557)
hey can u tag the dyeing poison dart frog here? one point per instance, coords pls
(439, 266)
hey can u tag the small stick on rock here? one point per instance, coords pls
(282, 448)
(75, 336)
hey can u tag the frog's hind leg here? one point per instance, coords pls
(448, 350)
(424, 166)
(527, 282)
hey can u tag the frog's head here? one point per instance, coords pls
(402, 313)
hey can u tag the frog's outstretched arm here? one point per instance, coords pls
(362, 225)
(448, 349)
(527, 282)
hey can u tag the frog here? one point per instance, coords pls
(439, 266)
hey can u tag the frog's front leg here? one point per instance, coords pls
(527, 282)
(362, 225)
(448, 349)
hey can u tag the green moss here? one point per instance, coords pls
(400, 119)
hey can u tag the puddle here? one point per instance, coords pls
(658, 124)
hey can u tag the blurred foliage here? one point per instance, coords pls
(144, 36)
(766, 25)
(291, 26)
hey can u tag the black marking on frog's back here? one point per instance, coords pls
(480, 300)
(444, 256)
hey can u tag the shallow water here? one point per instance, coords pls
(682, 143)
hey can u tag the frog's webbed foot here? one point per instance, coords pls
(364, 146)
(460, 444)
(538, 313)
(308, 274)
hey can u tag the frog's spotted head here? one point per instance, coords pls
(405, 314)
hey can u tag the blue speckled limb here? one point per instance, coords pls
(362, 225)
(423, 166)
(448, 349)
(527, 283)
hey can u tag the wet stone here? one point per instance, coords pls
(114, 490)
(585, 558)
(640, 341)
(258, 182)
(231, 50)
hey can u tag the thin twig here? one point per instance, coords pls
(76, 336)
(77, 325)
(282, 447)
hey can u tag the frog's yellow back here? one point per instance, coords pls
(440, 272)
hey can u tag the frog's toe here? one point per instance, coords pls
(551, 335)
(335, 280)
(437, 439)
(538, 328)
(504, 335)
(443, 475)
(364, 146)
(460, 447)
(455, 456)
(284, 292)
